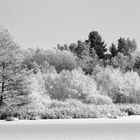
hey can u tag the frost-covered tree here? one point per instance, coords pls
(121, 87)
(123, 62)
(126, 46)
(86, 60)
(61, 60)
(38, 96)
(11, 76)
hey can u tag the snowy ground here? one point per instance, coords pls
(126, 128)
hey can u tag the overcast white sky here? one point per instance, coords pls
(45, 23)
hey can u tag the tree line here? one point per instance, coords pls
(18, 65)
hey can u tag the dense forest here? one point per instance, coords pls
(85, 79)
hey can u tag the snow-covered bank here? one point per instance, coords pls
(79, 129)
(127, 119)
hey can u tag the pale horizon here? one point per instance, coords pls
(46, 23)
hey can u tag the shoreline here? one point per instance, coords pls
(126, 119)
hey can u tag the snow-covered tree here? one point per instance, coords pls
(11, 76)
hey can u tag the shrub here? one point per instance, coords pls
(70, 109)
(5, 113)
(83, 111)
(73, 108)
(121, 87)
(73, 102)
(109, 111)
(130, 109)
(29, 112)
(68, 84)
(69, 112)
(98, 100)
(55, 104)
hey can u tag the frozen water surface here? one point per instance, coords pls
(127, 128)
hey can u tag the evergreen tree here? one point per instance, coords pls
(11, 76)
(97, 44)
(122, 48)
(113, 50)
(137, 64)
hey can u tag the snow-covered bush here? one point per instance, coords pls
(130, 109)
(82, 111)
(62, 104)
(70, 84)
(38, 96)
(98, 99)
(121, 87)
(61, 60)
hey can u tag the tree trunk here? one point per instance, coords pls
(2, 87)
(1, 100)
